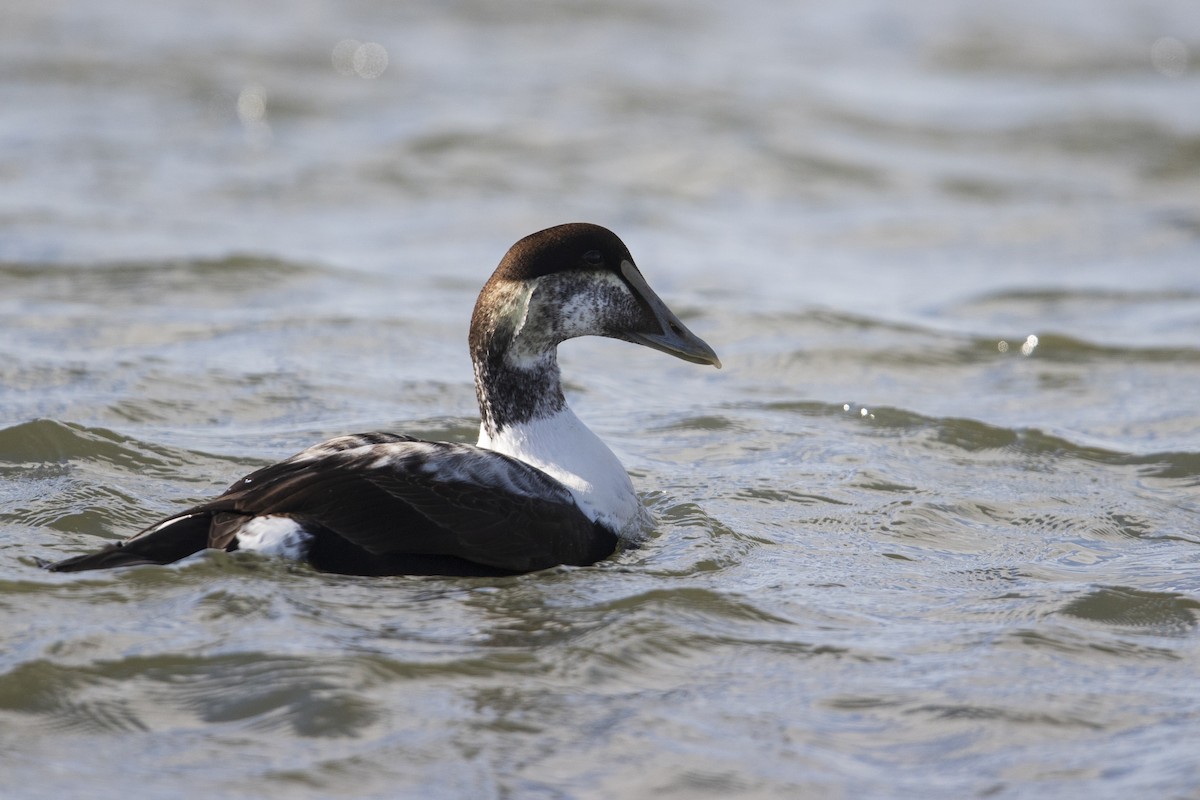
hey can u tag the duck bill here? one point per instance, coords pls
(663, 330)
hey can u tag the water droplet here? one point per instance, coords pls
(343, 56)
(252, 103)
(370, 60)
(252, 112)
(1169, 56)
(364, 59)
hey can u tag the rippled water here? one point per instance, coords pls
(933, 529)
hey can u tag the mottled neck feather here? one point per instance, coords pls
(509, 395)
(514, 384)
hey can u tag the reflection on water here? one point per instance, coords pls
(932, 529)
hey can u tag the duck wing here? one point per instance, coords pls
(376, 502)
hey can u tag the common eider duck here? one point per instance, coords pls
(538, 490)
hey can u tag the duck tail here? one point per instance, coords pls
(164, 543)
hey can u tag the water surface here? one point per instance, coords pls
(933, 529)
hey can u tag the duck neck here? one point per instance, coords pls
(516, 394)
(523, 414)
(516, 363)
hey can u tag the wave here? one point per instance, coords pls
(71, 477)
(895, 342)
(43, 441)
(973, 435)
(74, 279)
(1123, 607)
(307, 696)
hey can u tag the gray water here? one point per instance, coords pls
(902, 547)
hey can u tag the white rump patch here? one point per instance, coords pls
(274, 536)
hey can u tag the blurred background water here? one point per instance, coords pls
(933, 528)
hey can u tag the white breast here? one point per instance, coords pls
(564, 448)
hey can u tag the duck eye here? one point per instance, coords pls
(593, 258)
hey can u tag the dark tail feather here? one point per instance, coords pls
(163, 545)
